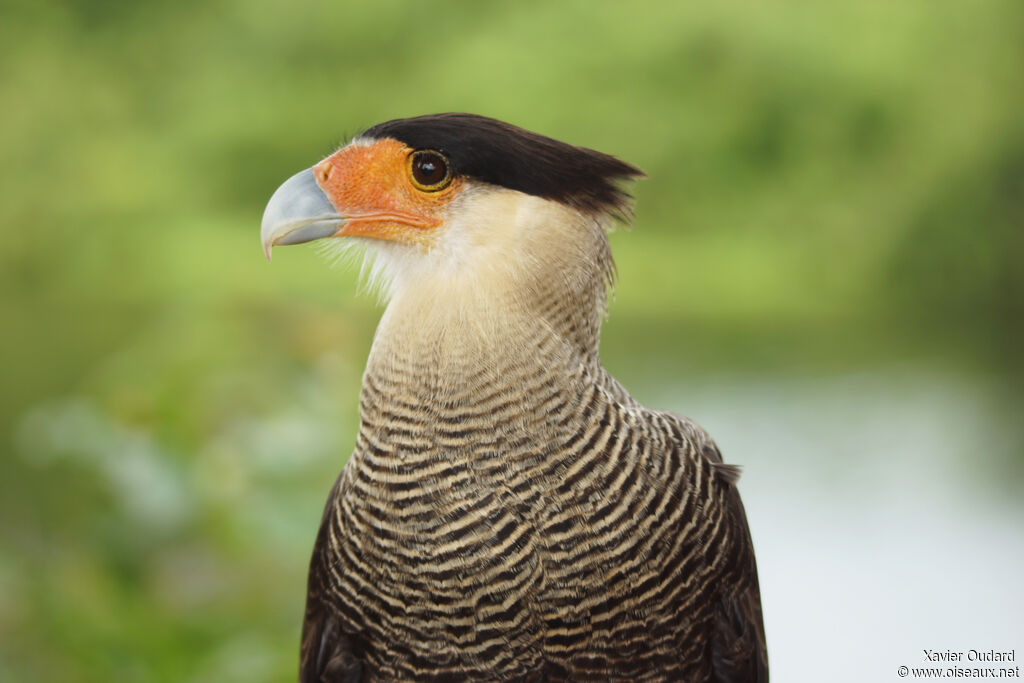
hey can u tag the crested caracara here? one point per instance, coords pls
(510, 512)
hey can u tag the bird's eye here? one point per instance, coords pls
(429, 170)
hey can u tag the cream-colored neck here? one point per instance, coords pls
(511, 273)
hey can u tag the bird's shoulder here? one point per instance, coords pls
(698, 445)
(737, 644)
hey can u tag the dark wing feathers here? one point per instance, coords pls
(328, 654)
(737, 645)
(738, 650)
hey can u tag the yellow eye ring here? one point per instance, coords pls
(429, 171)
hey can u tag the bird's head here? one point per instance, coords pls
(460, 205)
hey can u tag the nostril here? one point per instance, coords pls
(323, 171)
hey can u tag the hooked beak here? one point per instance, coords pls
(298, 212)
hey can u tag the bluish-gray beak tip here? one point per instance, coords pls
(298, 212)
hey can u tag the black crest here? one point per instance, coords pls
(499, 153)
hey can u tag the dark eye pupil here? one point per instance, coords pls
(429, 168)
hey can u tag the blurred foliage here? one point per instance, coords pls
(831, 187)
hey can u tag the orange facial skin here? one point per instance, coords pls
(370, 186)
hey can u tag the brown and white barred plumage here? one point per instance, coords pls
(510, 512)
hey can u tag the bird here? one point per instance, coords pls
(509, 511)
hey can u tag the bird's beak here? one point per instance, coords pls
(298, 212)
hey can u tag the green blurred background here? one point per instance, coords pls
(835, 199)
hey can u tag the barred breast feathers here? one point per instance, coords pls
(509, 508)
